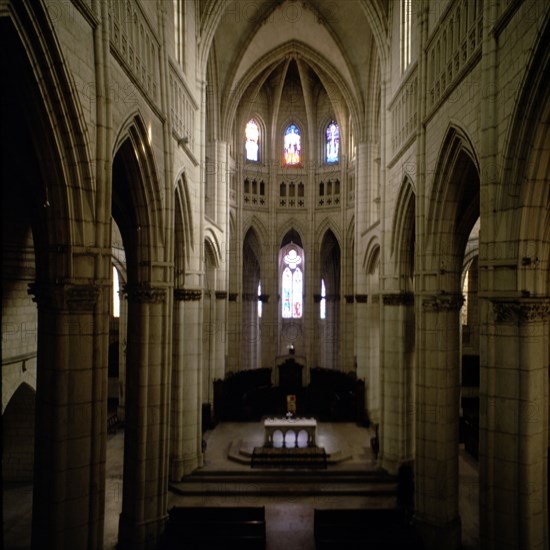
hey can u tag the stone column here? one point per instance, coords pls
(513, 426)
(438, 390)
(362, 210)
(371, 335)
(234, 332)
(397, 381)
(122, 343)
(220, 342)
(71, 419)
(185, 450)
(268, 332)
(361, 341)
(145, 480)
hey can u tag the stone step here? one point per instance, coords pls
(288, 482)
(283, 488)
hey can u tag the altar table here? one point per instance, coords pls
(285, 425)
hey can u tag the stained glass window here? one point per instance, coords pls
(116, 297)
(333, 142)
(260, 300)
(405, 38)
(292, 286)
(292, 145)
(323, 304)
(252, 135)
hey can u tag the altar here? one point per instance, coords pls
(290, 424)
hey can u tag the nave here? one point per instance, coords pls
(289, 516)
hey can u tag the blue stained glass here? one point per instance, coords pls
(292, 145)
(252, 134)
(333, 142)
(323, 305)
(287, 292)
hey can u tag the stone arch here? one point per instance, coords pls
(183, 227)
(529, 119)
(41, 101)
(251, 276)
(330, 271)
(403, 233)
(212, 248)
(454, 206)
(137, 205)
(291, 225)
(18, 435)
(327, 74)
(372, 256)
(253, 114)
(259, 228)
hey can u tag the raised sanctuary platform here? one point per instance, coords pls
(294, 457)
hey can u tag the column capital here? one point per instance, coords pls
(187, 294)
(221, 294)
(398, 299)
(145, 293)
(348, 298)
(264, 298)
(522, 309)
(232, 296)
(361, 298)
(68, 296)
(443, 302)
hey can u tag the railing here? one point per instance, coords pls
(136, 46)
(404, 112)
(456, 42)
(328, 193)
(291, 195)
(182, 109)
(254, 193)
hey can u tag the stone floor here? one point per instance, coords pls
(289, 518)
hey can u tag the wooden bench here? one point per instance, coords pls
(368, 529)
(209, 528)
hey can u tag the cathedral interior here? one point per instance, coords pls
(220, 211)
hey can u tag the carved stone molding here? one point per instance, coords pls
(349, 298)
(63, 296)
(528, 310)
(221, 295)
(187, 294)
(144, 293)
(264, 298)
(443, 302)
(233, 296)
(398, 299)
(361, 298)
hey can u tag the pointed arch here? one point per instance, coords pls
(372, 256)
(403, 230)
(261, 141)
(255, 223)
(43, 98)
(289, 225)
(183, 226)
(523, 198)
(212, 247)
(454, 205)
(329, 76)
(328, 224)
(137, 204)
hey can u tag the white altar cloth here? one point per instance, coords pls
(285, 425)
